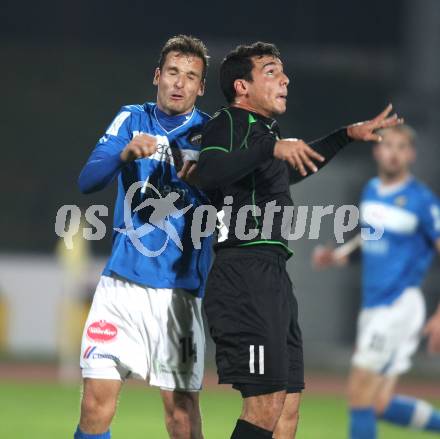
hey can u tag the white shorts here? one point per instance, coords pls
(145, 333)
(388, 336)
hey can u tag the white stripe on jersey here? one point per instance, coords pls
(391, 218)
(113, 129)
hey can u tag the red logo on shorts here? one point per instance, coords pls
(102, 331)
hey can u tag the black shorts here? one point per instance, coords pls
(253, 319)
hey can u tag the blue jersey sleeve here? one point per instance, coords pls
(430, 215)
(105, 163)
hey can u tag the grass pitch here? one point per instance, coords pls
(41, 411)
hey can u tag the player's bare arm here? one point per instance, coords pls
(432, 328)
(325, 256)
(142, 145)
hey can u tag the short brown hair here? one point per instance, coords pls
(186, 44)
(410, 132)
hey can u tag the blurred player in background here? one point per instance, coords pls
(145, 321)
(393, 309)
(251, 310)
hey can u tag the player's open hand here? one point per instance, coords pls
(432, 331)
(299, 155)
(366, 131)
(188, 173)
(142, 145)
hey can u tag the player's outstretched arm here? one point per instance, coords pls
(225, 159)
(330, 145)
(326, 148)
(325, 257)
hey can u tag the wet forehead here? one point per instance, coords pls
(261, 61)
(184, 61)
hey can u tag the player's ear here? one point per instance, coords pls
(156, 76)
(201, 91)
(241, 87)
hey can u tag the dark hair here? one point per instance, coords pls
(238, 65)
(187, 45)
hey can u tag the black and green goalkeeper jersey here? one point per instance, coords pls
(237, 162)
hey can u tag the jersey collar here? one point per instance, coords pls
(188, 119)
(391, 189)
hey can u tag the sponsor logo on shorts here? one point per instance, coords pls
(102, 331)
(89, 351)
(105, 356)
(377, 342)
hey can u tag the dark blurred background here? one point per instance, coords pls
(67, 67)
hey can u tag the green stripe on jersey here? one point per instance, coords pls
(267, 242)
(252, 118)
(231, 125)
(217, 148)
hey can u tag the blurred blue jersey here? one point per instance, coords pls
(410, 217)
(167, 258)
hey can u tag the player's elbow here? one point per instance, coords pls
(83, 188)
(84, 184)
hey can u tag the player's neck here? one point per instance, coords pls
(393, 180)
(248, 107)
(170, 113)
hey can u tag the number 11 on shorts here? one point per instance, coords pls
(252, 363)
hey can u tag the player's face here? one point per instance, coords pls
(267, 92)
(179, 82)
(394, 154)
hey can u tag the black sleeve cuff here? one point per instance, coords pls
(340, 138)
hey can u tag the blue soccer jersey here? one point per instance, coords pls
(409, 215)
(152, 247)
